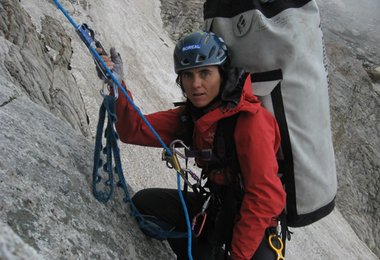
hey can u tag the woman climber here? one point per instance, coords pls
(244, 197)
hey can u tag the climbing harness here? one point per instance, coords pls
(173, 163)
(108, 106)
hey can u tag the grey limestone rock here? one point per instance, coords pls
(13, 247)
(46, 202)
(39, 63)
(47, 210)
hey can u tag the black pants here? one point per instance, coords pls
(166, 206)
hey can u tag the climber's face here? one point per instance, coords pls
(201, 85)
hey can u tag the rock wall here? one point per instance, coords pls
(354, 54)
(356, 109)
(47, 210)
(39, 63)
(49, 97)
(46, 201)
(181, 17)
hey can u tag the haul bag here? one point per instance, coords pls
(281, 44)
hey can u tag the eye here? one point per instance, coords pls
(186, 75)
(205, 73)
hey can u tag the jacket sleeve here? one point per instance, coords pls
(133, 130)
(257, 141)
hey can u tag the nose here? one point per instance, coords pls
(196, 82)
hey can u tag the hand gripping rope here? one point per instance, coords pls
(148, 226)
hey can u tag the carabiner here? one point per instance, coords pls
(194, 223)
(202, 214)
(182, 144)
(277, 250)
(171, 161)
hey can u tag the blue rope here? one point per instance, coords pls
(153, 228)
(114, 79)
(109, 164)
(186, 216)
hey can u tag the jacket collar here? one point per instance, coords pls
(248, 103)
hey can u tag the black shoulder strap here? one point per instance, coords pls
(224, 142)
(187, 126)
(230, 195)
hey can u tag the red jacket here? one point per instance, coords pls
(257, 140)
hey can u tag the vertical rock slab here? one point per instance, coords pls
(46, 204)
(39, 63)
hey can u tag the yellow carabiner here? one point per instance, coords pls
(277, 250)
(171, 161)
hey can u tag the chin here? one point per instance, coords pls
(199, 105)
